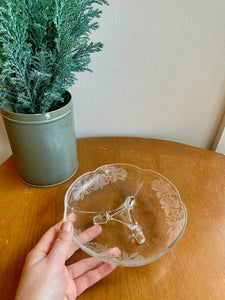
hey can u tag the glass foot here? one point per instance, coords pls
(123, 215)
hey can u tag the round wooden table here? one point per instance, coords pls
(193, 269)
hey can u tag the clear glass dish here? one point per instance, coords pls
(140, 212)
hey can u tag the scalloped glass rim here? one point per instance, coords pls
(127, 263)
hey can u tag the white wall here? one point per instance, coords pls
(219, 141)
(161, 73)
(221, 145)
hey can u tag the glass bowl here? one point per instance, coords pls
(140, 212)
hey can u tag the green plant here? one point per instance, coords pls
(42, 44)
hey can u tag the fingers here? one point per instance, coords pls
(91, 277)
(85, 237)
(62, 244)
(56, 235)
(81, 267)
(46, 242)
(44, 245)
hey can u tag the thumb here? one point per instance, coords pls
(62, 243)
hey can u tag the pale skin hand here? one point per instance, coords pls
(45, 276)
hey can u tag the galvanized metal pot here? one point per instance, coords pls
(43, 145)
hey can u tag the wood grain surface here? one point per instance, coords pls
(193, 269)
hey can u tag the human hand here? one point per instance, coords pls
(45, 276)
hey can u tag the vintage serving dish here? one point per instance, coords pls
(140, 212)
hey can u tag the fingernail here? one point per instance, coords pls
(67, 226)
(116, 251)
(72, 217)
(98, 228)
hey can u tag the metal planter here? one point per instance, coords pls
(43, 145)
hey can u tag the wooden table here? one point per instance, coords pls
(193, 269)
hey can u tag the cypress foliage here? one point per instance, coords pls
(42, 44)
